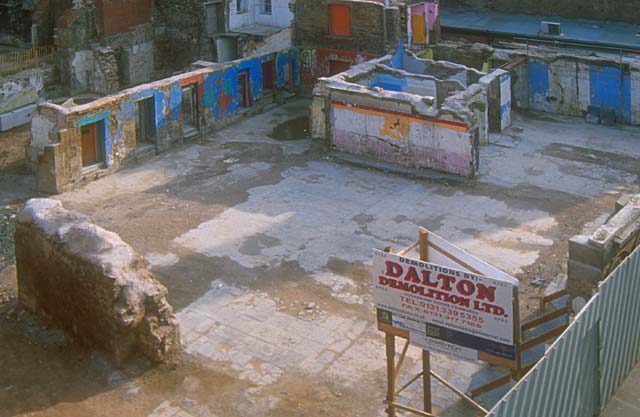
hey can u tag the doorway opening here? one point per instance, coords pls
(145, 126)
(190, 116)
(288, 77)
(92, 143)
(244, 93)
(215, 17)
(268, 79)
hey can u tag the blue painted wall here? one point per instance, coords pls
(538, 84)
(609, 89)
(388, 82)
(218, 98)
(103, 135)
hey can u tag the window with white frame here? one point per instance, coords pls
(241, 6)
(266, 6)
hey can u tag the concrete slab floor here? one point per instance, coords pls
(265, 246)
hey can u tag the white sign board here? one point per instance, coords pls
(445, 309)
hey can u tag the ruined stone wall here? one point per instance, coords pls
(118, 16)
(56, 146)
(99, 53)
(90, 283)
(572, 84)
(368, 27)
(593, 257)
(393, 125)
(180, 34)
(551, 80)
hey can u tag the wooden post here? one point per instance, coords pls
(390, 341)
(426, 380)
(426, 356)
(516, 332)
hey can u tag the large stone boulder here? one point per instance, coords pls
(88, 281)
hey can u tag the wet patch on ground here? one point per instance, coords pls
(592, 156)
(294, 129)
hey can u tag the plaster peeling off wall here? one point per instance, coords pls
(403, 138)
(572, 85)
(56, 142)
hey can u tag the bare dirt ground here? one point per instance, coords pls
(264, 244)
(13, 143)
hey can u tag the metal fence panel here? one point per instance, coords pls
(620, 316)
(589, 361)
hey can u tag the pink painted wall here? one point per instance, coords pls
(429, 10)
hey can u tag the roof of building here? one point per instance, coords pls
(577, 31)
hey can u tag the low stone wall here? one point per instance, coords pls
(92, 284)
(593, 258)
(417, 113)
(170, 114)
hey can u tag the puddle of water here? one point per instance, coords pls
(294, 129)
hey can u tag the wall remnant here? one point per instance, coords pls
(374, 29)
(413, 112)
(552, 80)
(75, 143)
(89, 282)
(592, 258)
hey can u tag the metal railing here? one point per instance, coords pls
(17, 61)
(585, 366)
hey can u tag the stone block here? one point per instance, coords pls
(581, 251)
(90, 283)
(583, 279)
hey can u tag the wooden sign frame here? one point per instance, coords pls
(515, 367)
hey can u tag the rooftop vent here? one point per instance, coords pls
(550, 28)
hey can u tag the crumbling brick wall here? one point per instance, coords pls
(92, 284)
(367, 21)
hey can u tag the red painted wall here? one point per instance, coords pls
(318, 63)
(117, 16)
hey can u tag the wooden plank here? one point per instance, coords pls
(490, 386)
(423, 240)
(528, 344)
(411, 381)
(455, 259)
(548, 298)
(400, 361)
(403, 333)
(496, 360)
(408, 249)
(547, 317)
(409, 409)
(426, 378)
(390, 343)
(460, 393)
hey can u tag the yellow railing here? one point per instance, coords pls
(17, 61)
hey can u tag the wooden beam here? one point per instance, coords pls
(411, 381)
(409, 409)
(460, 393)
(528, 344)
(426, 381)
(455, 259)
(390, 342)
(408, 249)
(490, 386)
(400, 361)
(423, 241)
(548, 317)
(548, 298)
